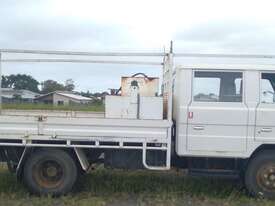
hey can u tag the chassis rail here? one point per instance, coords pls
(144, 144)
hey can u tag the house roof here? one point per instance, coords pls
(25, 94)
(74, 96)
(68, 95)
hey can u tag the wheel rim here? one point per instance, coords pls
(266, 177)
(48, 174)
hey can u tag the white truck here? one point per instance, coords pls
(216, 120)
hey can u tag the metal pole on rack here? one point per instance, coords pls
(80, 61)
(0, 82)
(169, 85)
(72, 53)
(238, 56)
(170, 82)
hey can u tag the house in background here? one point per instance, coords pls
(62, 98)
(10, 95)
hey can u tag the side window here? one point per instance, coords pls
(60, 102)
(267, 88)
(217, 86)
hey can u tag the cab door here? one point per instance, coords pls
(217, 114)
(265, 112)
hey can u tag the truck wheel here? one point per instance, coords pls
(50, 171)
(260, 175)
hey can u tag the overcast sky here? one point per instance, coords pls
(219, 26)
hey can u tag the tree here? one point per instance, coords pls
(51, 86)
(85, 94)
(20, 81)
(4, 81)
(69, 85)
(23, 81)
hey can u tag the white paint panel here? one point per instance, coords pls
(182, 95)
(216, 138)
(151, 108)
(83, 127)
(217, 128)
(127, 107)
(265, 123)
(120, 107)
(218, 113)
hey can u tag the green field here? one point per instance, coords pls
(96, 107)
(122, 188)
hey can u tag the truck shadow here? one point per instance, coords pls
(106, 182)
(102, 182)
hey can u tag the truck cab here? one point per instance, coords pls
(226, 113)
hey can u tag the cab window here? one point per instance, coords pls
(217, 86)
(267, 87)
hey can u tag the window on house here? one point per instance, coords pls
(60, 102)
(217, 86)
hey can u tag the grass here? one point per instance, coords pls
(118, 188)
(95, 107)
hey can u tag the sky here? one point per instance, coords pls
(212, 26)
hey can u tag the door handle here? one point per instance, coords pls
(266, 130)
(198, 127)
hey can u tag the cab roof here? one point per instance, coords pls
(256, 67)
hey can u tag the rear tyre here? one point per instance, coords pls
(260, 175)
(50, 171)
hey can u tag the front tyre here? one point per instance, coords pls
(260, 175)
(50, 171)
